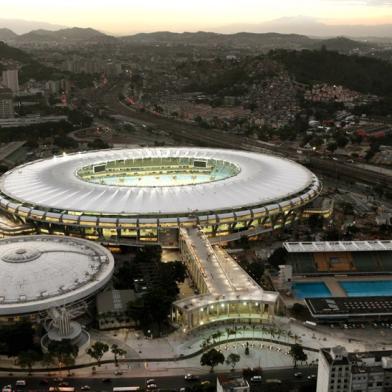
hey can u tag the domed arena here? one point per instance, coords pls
(38, 273)
(145, 195)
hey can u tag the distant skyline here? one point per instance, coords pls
(119, 17)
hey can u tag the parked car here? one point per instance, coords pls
(150, 381)
(256, 379)
(85, 388)
(298, 374)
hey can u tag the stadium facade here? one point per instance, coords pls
(136, 196)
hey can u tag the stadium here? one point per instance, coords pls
(41, 272)
(136, 196)
(340, 281)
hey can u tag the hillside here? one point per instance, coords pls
(73, 35)
(9, 53)
(7, 35)
(32, 69)
(364, 74)
(342, 45)
(206, 39)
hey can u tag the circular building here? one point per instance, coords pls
(39, 273)
(129, 195)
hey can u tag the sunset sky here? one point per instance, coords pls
(129, 16)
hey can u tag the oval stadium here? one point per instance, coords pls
(145, 195)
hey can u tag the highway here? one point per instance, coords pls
(173, 383)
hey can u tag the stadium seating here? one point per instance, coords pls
(341, 262)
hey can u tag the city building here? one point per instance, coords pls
(136, 196)
(6, 103)
(228, 383)
(340, 371)
(10, 79)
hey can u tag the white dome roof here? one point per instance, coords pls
(39, 272)
(54, 184)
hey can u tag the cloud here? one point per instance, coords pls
(368, 3)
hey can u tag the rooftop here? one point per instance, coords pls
(338, 246)
(39, 272)
(224, 278)
(349, 306)
(56, 183)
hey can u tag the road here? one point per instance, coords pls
(191, 133)
(163, 383)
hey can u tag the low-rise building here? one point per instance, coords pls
(340, 371)
(112, 307)
(227, 383)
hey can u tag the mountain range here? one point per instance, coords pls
(72, 35)
(20, 26)
(311, 27)
(253, 41)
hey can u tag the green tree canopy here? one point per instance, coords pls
(117, 351)
(232, 360)
(97, 350)
(26, 359)
(212, 358)
(63, 352)
(297, 353)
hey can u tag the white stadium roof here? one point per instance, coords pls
(338, 246)
(53, 184)
(39, 272)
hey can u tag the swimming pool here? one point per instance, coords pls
(368, 288)
(311, 290)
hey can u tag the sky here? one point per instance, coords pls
(129, 16)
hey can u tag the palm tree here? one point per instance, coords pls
(117, 351)
(218, 335)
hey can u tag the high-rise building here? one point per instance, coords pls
(6, 103)
(340, 371)
(10, 79)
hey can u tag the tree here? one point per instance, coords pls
(63, 352)
(69, 360)
(297, 353)
(278, 257)
(212, 358)
(97, 144)
(47, 359)
(16, 338)
(117, 351)
(26, 359)
(232, 360)
(299, 311)
(332, 146)
(97, 350)
(247, 349)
